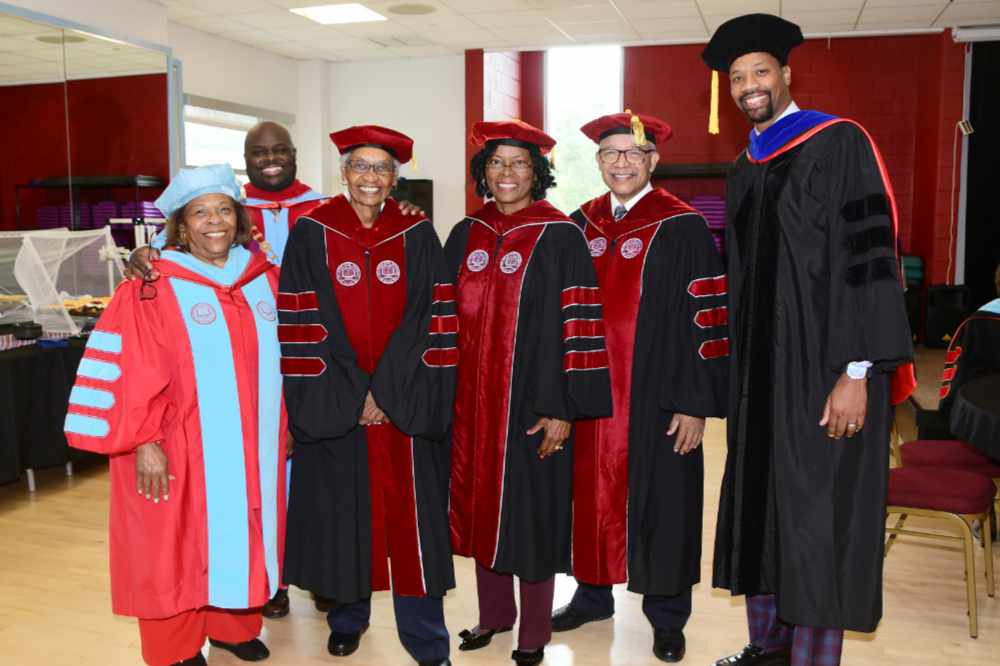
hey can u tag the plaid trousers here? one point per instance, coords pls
(810, 646)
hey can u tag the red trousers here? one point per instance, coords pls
(170, 640)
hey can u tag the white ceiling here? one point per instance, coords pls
(24, 59)
(518, 24)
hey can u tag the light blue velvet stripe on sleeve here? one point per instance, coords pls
(104, 371)
(105, 342)
(222, 445)
(91, 397)
(90, 426)
(269, 440)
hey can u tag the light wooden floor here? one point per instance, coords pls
(54, 605)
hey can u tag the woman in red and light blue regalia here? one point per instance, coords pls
(180, 385)
(531, 340)
(368, 334)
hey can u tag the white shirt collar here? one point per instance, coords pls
(634, 200)
(789, 110)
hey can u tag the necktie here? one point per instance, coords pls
(620, 212)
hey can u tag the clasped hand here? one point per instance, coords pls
(372, 414)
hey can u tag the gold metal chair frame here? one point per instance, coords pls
(963, 523)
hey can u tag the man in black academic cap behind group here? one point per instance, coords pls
(819, 349)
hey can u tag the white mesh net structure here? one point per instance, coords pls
(52, 266)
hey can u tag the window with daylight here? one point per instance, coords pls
(214, 132)
(581, 83)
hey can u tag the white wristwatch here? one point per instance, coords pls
(858, 369)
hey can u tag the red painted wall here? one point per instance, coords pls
(909, 98)
(117, 127)
(501, 85)
(533, 88)
(473, 113)
(34, 143)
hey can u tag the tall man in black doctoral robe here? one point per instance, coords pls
(638, 475)
(819, 348)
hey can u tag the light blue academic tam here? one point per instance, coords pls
(189, 184)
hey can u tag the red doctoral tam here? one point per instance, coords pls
(511, 130)
(657, 131)
(396, 143)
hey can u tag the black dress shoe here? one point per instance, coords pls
(568, 618)
(528, 657)
(436, 662)
(342, 645)
(197, 660)
(252, 650)
(475, 638)
(668, 645)
(277, 606)
(751, 655)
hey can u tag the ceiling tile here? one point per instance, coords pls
(177, 12)
(680, 25)
(533, 36)
(651, 9)
(737, 7)
(789, 6)
(584, 14)
(808, 19)
(275, 18)
(499, 22)
(915, 16)
(598, 28)
(957, 14)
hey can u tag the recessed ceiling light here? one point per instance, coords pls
(346, 13)
(412, 9)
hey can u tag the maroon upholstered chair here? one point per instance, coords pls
(955, 494)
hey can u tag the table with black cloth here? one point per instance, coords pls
(975, 416)
(35, 383)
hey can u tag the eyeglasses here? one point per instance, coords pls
(632, 155)
(147, 290)
(380, 168)
(517, 166)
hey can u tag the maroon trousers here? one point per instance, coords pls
(498, 611)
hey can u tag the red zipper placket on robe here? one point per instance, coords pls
(361, 260)
(490, 283)
(619, 250)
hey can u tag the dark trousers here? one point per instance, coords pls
(498, 611)
(419, 623)
(810, 646)
(664, 612)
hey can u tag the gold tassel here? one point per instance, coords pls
(552, 157)
(713, 106)
(413, 162)
(638, 129)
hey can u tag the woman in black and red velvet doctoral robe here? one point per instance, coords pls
(531, 339)
(368, 332)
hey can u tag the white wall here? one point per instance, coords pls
(425, 99)
(125, 19)
(313, 125)
(222, 69)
